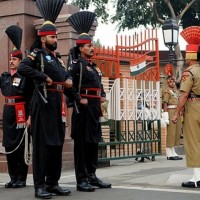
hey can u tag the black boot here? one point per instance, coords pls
(41, 193)
(10, 184)
(85, 187)
(191, 184)
(19, 184)
(94, 181)
(58, 191)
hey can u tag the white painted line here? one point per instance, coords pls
(191, 190)
(67, 176)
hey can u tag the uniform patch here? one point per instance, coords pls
(48, 57)
(184, 77)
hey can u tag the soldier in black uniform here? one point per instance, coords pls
(48, 108)
(88, 93)
(15, 113)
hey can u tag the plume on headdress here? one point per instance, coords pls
(50, 9)
(82, 21)
(15, 34)
(192, 37)
(168, 69)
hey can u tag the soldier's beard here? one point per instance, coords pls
(51, 47)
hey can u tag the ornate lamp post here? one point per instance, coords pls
(170, 30)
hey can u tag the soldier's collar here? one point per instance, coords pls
(86, 61)
(47, 52)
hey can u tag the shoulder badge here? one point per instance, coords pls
(185, 75)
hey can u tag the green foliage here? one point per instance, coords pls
(133, 13)
(100, 7)
(97, 43)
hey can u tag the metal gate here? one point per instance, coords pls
(131, 81)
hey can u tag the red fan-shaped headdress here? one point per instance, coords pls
(168, 69)
(192, 37)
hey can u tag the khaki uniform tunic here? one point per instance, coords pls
(170, 97)
(190, 82)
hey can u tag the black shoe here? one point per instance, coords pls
(19, 184)
(190, 184)
(172, 158)
(10, 184)
(94, 181)
(99, 183)
(41, 193)
(85, 187)
(57, 190)
(178, 158)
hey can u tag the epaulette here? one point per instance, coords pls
(31, 57)
(188, 68)
(34, 53)
(167, 91)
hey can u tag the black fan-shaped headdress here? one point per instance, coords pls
(15, 35)
(49, 9)
(82, 21)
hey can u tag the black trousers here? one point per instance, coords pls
(85, 159)
(17, 168)
(47, 163)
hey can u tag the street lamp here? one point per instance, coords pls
(170, 35)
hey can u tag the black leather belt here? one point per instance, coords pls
(193, 96)
(91, 92)
(13, 100)
(56, 87)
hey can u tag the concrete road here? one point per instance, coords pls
(158, 180)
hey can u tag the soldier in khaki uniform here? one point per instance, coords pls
(170, 101)
(190, 99)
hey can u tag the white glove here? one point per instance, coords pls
(165, 116)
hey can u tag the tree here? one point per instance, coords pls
(133, 13)
(97, 43)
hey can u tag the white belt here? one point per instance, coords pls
(171, 106)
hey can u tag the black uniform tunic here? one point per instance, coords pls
(86, 128)
(11, 135)
(47, 127)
